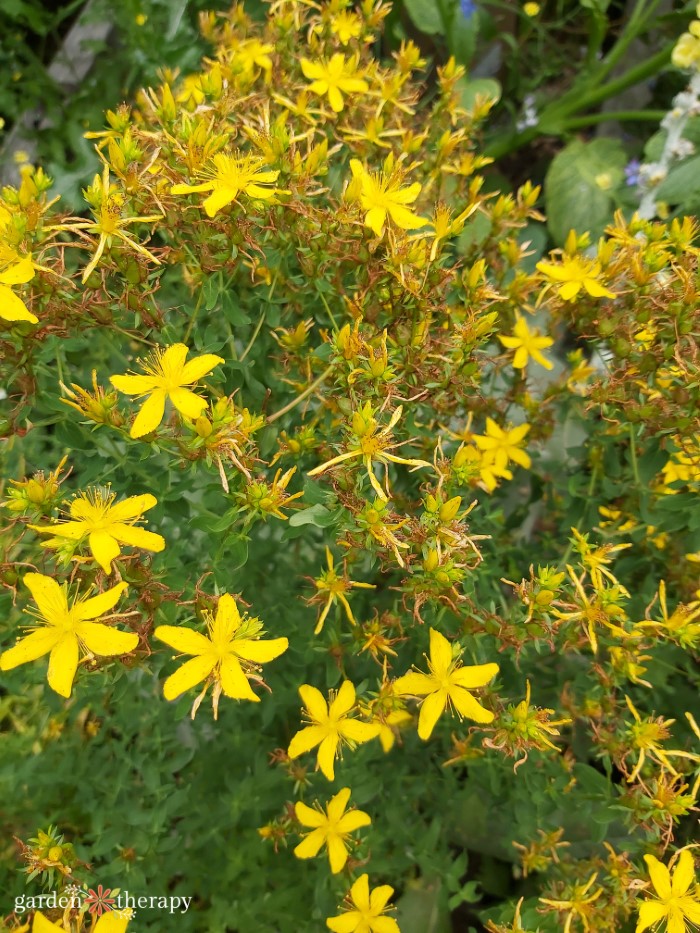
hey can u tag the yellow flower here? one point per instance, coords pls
(371, 443)
(576, 273)
(336, 587)
(646, 735)
(65, 630)
(334, 78)
(108, 206)
(330, 828)
(167, 378)
(113, 921)
(329, 726)
(682, 625)
(252, 52)
(448, 682)
(526, 344)
(367, 911)
(232, 176)
(501, 446)
(346, 26)
(107, 525)
(602, 609)
(578, 905)
(686, 53)
(674, 902)
(531, 9)
(382, 195)
(13, 308)
(217, 656)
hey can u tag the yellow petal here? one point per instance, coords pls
(354, 819)
(305, 740)
(385, 925)
(314, 703)
(48, 595)
(337, 853)
(183, 639)
(520, 358)
(414, 684)
(192, 189)
(33, 646)
(558, 273)
(104, 549)
(650, 913)
(134, 385)
(375, 218)
(337, 804)
(42, 925)
(467, 706)
(308, 816)
(659, 875)
(110, 922)
(380, 897)
(236, 685)
(151, 414)
(569, 290)
(348, 922)
(476, 675)
(431, 709)
(73, 530)
(13, 308)
(189, 675)
(683, 873)
(596, 290)
(187, 403)
(219, 199)
(311, 70)
(137, 537)
(310, 845)
(344, 701)
(200, 366)
(172, 361)
(19, 273)
(440, 653)
(63, 663)
(133, 507)
(326, 755)
(358, 731)
(404, 218)
(105, 640)
(335, 98)
(510, 342)
(359, 893)
(259, 651)
(97, 606)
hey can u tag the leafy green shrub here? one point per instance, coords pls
(373, 476)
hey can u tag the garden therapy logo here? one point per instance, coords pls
(99, 901)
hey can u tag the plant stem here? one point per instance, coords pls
(576, 100)
(633, 457)
(654, 116)
(635, 26)
(192, 320)
(300, 398)
(253, 338)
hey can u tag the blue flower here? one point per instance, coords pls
(467, 8)
(632, 175)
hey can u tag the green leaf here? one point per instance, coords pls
(682, 182)
(484, 87)
(425, 15)
(317, 515)
(421, 909)
(462, 36)
(580, 187)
